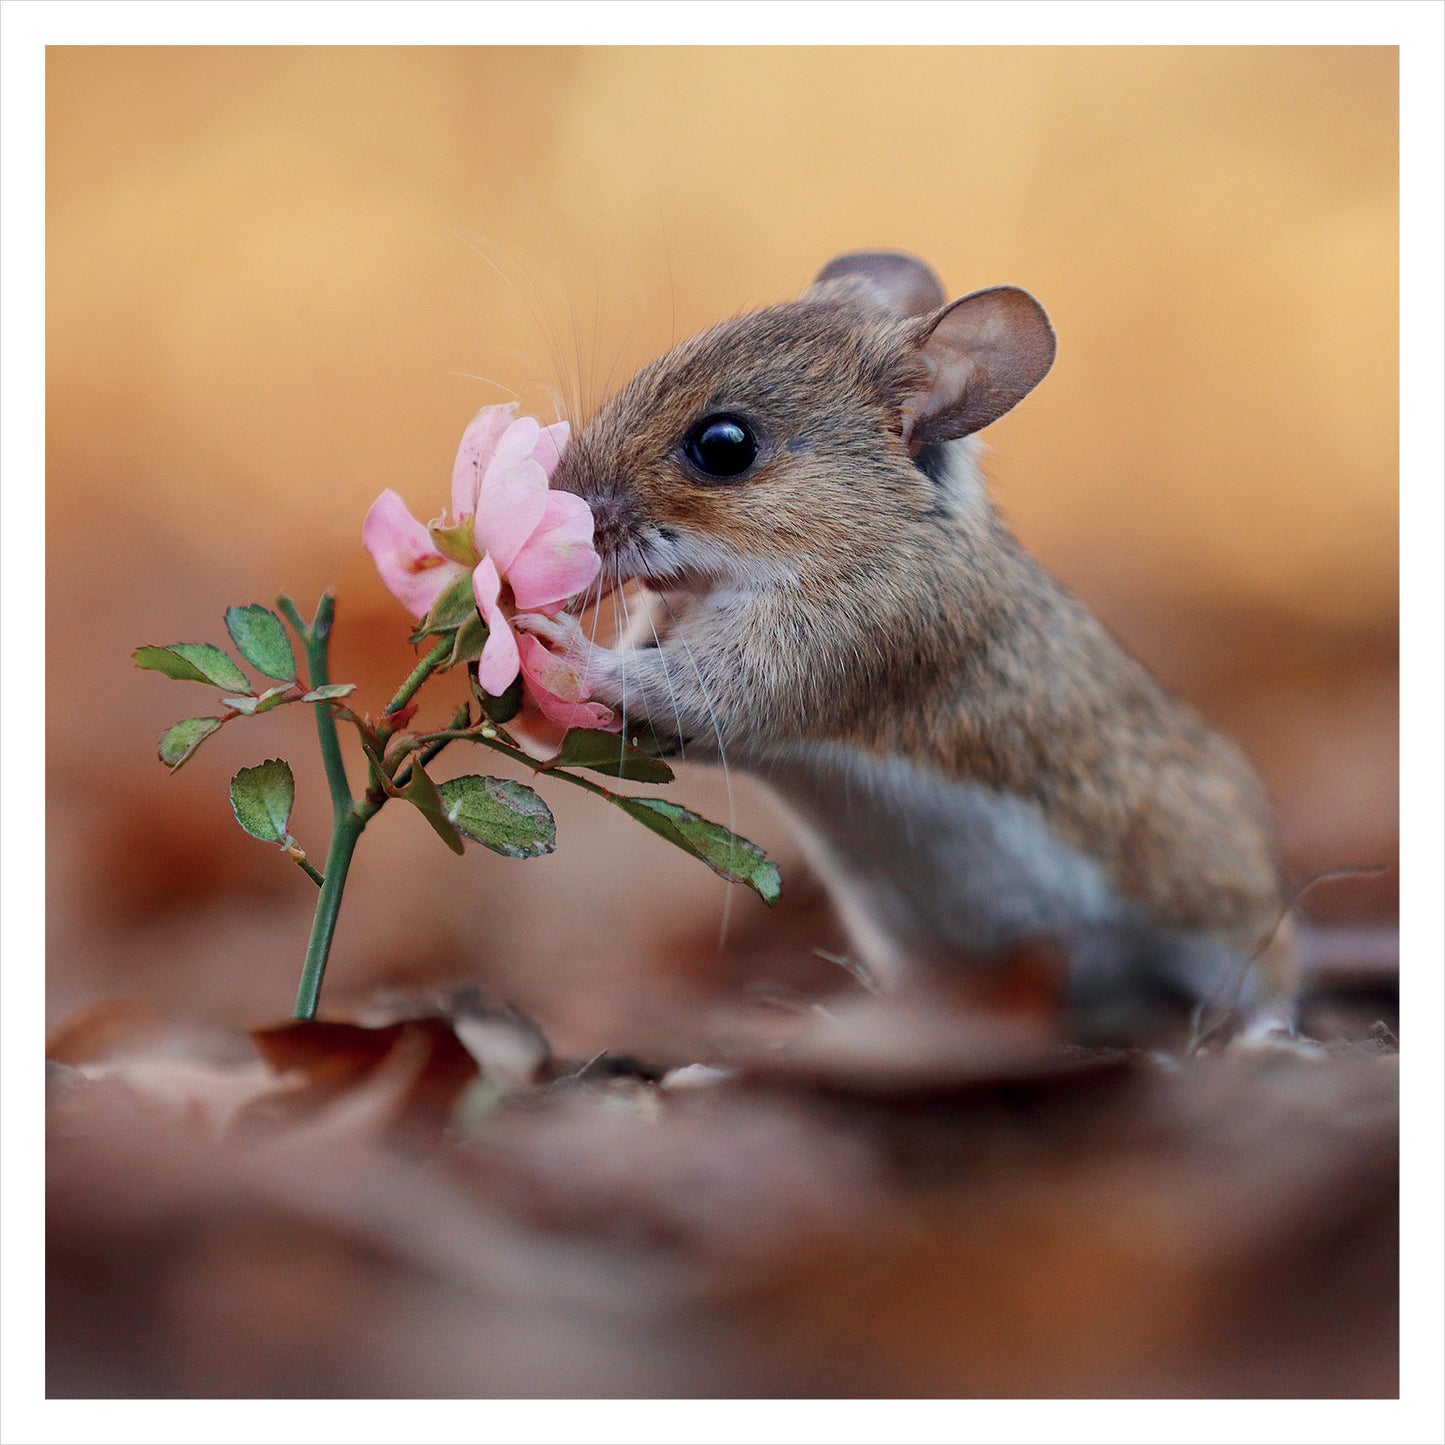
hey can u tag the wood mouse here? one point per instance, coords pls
(973, 763)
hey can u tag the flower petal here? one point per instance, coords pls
(551, 443)
(537, 736)
(558, 559)
(411, 567)
(554, 684)
(511, 504)
(474, 455)
(499, 663)
(515, 444)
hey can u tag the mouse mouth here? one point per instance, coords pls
(658, 560)
(626, 570)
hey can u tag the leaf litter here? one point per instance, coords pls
(879, 1196)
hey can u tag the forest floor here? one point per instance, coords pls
(859, 1197)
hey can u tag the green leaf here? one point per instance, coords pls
(273, 697)
(194, 662)
(468, 641)
(725, 853)
(456, 604)
(329, 690)
(261, 798)
(612, 754)
(180, 741)
(502, 815)
(422, 793)
(263, 642)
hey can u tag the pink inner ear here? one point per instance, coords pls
(985, 353)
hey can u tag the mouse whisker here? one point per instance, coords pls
(722, 762)
(595, 603)
(667, 678)
(532, 300)
(622, 652)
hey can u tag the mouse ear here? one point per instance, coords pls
(982, 356)
(901, 283)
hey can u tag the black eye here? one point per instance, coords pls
(721, 446)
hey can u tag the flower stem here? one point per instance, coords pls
(338, 861)
(475, 735)
(306, 866)
(345, 826)
(419, 675)
(317, 641)
(350, 817)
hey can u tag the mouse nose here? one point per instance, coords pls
(613, 518)
(613, 512)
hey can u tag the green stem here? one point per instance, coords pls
(345, 827)
(309, 870)
(349, 817)
(419, 675)
(338, 862)
(473, 735)
(424, 754)
(317, 640)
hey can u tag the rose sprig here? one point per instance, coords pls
(511, 547)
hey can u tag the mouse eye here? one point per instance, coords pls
(721, 446)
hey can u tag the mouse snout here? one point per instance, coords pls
(615, 519)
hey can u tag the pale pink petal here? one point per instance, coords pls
(579, 714)
(511, 505)
(558, 560)
(499, 664)
(414, 571)
(551, 443)
(537, 736)
(515, 444)
(556, 687)
(474, 455)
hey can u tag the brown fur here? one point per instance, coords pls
(892, 613)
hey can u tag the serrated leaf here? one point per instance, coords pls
(273, 697)
(727, 854)
(505, 816)
(329, 690)
(422, 793)
(262, 640)
(612, 754)
(262, 798)
(180, 741)
(194, 662)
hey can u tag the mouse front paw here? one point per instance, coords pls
(569, 644)
(563, 634)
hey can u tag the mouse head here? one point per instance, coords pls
(784, 441)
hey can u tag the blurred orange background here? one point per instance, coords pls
(280, 280)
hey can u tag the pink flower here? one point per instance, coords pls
(554, 698)
(528, 548)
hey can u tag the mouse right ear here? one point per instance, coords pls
(900, 283)
(981, 357)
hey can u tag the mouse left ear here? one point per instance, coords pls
(896, 281)
(981, 356)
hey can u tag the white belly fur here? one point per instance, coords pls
(928, 871)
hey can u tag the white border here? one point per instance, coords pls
(27, 26)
